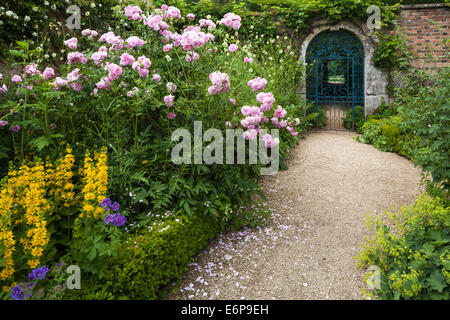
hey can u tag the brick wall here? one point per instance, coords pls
(425, 38)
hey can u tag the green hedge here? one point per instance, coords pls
(386, 135)
(152, 258)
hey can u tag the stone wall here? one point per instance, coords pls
(425, 37)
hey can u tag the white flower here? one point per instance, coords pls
(46, 56)
(34, 34)
(1, 22)
(35, 9)
(27, 18)
(92, 5)
(46, 3)
(53, 7)
(87, 14)
(168, 58)
(9, 13)
(53, 55)
(208, 16)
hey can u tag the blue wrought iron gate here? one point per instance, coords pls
(335, 79)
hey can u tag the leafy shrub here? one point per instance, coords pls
(412, 249)
(156, 255)
(427, 117)
(355, 119)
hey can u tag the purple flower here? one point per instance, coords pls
(3, 123)
(108, 219)
(106, 203)
(38, 273)
(15, 129)
(115, 219)
(17, 293)
(115, 207)
(119, 220)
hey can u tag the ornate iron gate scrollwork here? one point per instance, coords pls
(335, 79)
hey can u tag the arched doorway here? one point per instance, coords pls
(335, 79)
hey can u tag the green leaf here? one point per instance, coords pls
(92, 254)
(436, 281)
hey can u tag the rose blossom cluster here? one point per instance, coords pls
(220, 83)
(141, 65)
(231, 20)
(257, 84)
(89, 32)
(133, 12)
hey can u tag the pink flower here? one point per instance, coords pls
(206, 23)
(94, 33)
(280, 113)
(251, 134)
(133, 12)
(270, 142)
(3, 89)
(32, 69)
(143, 72)
(74, 75)
(190, 16)
(126, 59)
(220, 83)
(86, 32)
(168, 100)
(171, 115)
(134, 42)
(156, 77)
(231, 20)
(48, 73)
(248, 60)
(167, 47)
(71, 43)
(233, 47)
(245, 110)
(266, 100)
(172, 12)
(76, 86)
(16, 78)
(192, 38)
(3, 123)
(75, 57)
(233, 101)
(15, 129)
(99, 56)
(103, 83)
(156, 23)
(60, 82)
(257, 84)
(142, 62)
(192, 56)
(255, 111)
(114, 71)
(164, 7)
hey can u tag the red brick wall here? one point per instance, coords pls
(423, 37)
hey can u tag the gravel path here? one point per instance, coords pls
(306, 250)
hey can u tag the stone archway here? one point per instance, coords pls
(375, 80)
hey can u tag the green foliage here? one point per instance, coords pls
(354, 119)
(412, 249)
(391, 52)
(157, 255)
(427, 117)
